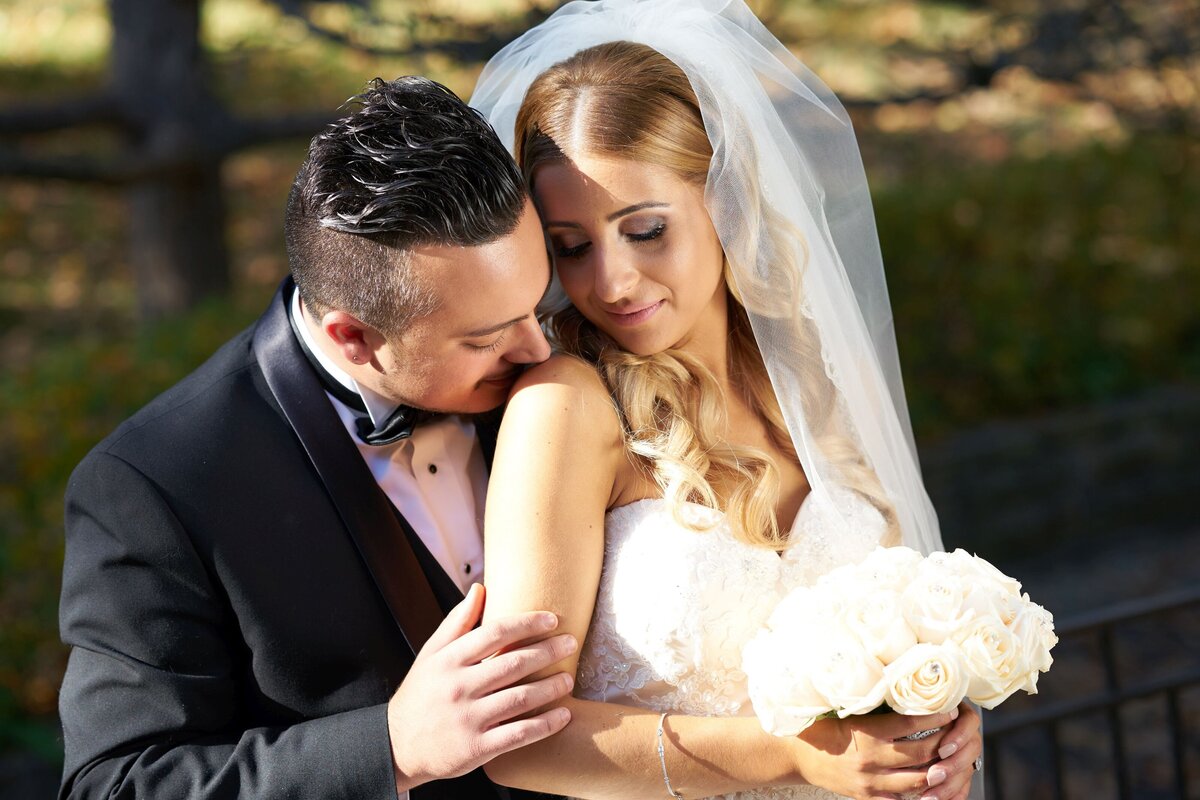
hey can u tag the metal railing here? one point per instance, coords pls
(1051, 716)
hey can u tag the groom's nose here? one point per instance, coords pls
(530, 345)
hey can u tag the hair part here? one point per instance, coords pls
(627, 100)
(411, 166)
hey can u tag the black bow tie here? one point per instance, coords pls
(399, 425)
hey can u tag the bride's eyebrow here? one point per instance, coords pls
(624, 212)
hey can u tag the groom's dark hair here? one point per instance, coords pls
(412, 166)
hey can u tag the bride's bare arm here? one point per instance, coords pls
(551, 481)
(557, 468)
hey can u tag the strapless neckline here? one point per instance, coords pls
(716, 517)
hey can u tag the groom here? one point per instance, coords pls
(257, 559)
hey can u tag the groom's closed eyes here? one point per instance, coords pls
(500, 327)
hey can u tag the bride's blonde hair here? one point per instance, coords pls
(627, 100)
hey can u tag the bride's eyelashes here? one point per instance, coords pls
(653, 233)
(648, 235)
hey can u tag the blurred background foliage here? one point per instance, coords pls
(1035, 168)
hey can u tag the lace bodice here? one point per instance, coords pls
(675, 606)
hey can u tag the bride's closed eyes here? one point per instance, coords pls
(642, 233)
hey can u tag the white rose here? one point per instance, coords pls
(890, 567)
(934, 604)
(844, 672)
(987, 571)
(988, 599)
(1033, 628)
(990, 590)
(928, 679)
(994, 659)
(966, 565)
(783, 697)
(794, 609)
(878, 621)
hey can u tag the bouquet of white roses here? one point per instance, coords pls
(917, 634)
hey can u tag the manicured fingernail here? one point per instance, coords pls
(936, 775)
(568, 682)
(547, 620)
(947, 750)
(954, 713)
(571, 644)
(563, 714)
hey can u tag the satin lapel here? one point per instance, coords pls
(365, 510)
(487, 428)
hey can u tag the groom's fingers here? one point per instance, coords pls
(512, 735)
(501, 634)
(459, 621)
(515, 665)
(508, 704)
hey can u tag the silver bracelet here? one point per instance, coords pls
(662, 758)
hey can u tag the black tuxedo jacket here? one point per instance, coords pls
(240, 597)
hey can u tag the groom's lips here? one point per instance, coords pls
(506, 380)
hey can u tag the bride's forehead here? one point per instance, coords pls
(621, 181)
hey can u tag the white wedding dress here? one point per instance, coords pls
(676, 606)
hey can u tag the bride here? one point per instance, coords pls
(724, 420)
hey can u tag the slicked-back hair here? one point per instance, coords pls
(412, 166)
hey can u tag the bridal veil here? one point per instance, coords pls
(788, 197)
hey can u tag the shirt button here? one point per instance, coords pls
(433, 469)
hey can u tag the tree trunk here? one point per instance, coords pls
(177, 219)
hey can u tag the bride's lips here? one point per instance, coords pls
(636, 316)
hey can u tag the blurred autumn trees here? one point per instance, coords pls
(173, 133)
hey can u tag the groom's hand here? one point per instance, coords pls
(462, 703)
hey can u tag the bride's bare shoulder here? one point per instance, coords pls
(567, 374)
(567, 389)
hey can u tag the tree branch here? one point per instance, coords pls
(249, 132)
(97, 109)
(126, 168)
(117, 171)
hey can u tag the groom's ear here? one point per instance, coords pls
(356, 341)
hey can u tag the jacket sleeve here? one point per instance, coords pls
(150, 701)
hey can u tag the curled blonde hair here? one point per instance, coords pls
(627, 100)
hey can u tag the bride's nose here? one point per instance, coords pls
(614, 278)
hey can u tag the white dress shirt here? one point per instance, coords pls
(436, 478)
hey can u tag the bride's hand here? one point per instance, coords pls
(957, 750)
(862, 756)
